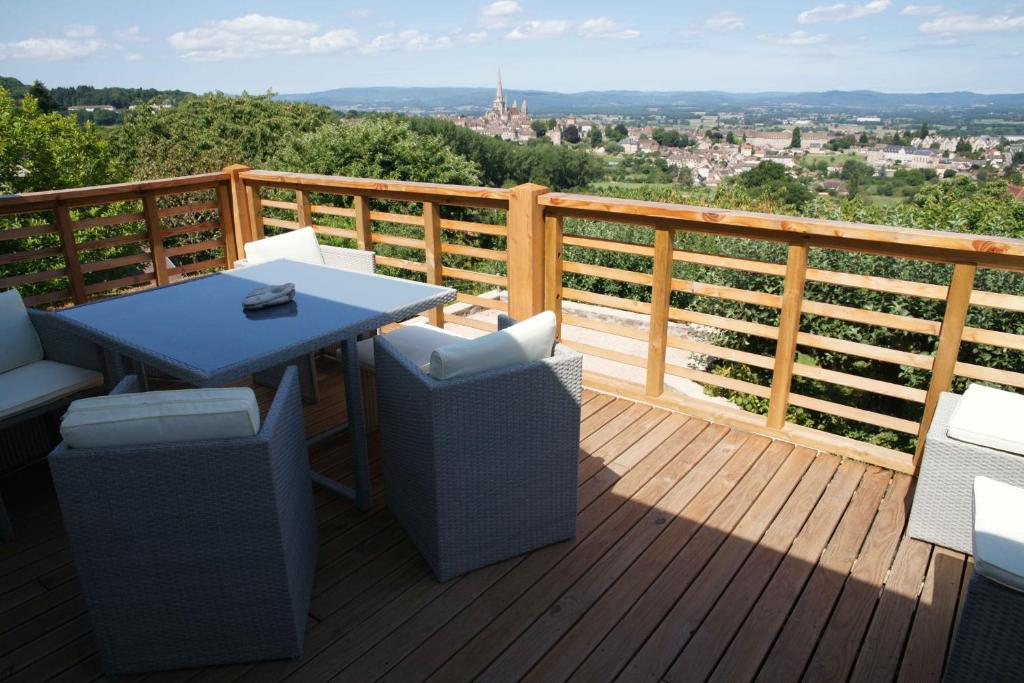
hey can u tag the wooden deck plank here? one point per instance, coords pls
(879, 656)
(837, 648)
(742, 660)
(933, 621)
(688, 534)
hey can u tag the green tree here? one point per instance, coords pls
(616, 133)
(963, 146)
(794, 141)
(594, 137)
(539, 126)
(863, 139)
(730, 137)
(667, 138)
(772, 183)
(923, 132)
(949, 173)
(855, 173)
(40, 151)
(571, 134)
(43, 97)
(614, 148)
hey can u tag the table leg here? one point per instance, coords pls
(356, 429)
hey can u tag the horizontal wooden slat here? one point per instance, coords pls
(109, 242)
(195, 207)
(100, 221)
(866, 317)
(402, 263)
(856, 414)
(281, 223)
(617, 274)
(332, 210)
(98, 194)
(21, 256)
(454, 195)
(334, 232)
(987, 374)
(29, 231)
(607, 245)
(400, 218)
(474, 276)
(470, 226)
(118, 262)
(121, 282)
(193, 248)
(47, 298)
(209, 264)
(278, 204)
(32, 278)
(407, 242)
(206, 226)
(474, 252)
(469, 322)
(482, 302)
(1006, 340)
(745, 296)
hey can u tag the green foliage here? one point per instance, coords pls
(41, 151)
(963, 147)
(204, 134)
(772, 182)
(540, 127)
(571, 134)
(616, 133)
(794, 141)
(43, 98)
(594, 137)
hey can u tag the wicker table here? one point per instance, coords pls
(197, 331)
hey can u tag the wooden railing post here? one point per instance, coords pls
(364, 229)
(255, 204)
(156, 238)
(958, 300)
(789, 329)
(241, 220)
(525, 251)
(302, 204)
(432, 255)
(553, 270)
(76, 281)
(227, 223)
(661, 294)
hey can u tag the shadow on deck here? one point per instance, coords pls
(703, 553)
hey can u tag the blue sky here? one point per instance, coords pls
(306, 45)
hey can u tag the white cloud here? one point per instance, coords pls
(547, 28)
(477, 37)
(842, 12)
(359, 12)
(132, 34)
(79, 31)
(499, 14)
(411, 41)
(724, 21)
(603, 27)
(50, 49)
(920, 10)
(794, 39)
(256, 35)
(953, 23)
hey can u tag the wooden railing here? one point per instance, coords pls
(70, 245)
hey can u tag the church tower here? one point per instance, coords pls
(499, 98)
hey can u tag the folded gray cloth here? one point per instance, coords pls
(264, 297)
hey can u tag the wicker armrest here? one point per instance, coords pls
(356, 260)
(63, 346)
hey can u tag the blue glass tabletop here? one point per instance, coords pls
(198, 331)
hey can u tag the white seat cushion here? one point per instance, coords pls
(19, 343)
(415, 342)
(530, 340)
(45, 381)
(161, 417)
(989, 417)
(999, 532)
(295, 245)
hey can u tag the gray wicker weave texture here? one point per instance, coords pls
(943, 509)
(482, 468)
(356, 260)
(197, 553)
(988, 643)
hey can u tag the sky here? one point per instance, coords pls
(567, 46)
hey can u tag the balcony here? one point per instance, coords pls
(713, 543)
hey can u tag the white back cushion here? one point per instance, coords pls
(416, 342)
(19, 343)
(989, 417)
(294, 245)
(998, 532)
(161, 417)
(530, 340)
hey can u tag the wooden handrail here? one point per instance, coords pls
(104, 194)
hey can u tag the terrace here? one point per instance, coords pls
(712, 542)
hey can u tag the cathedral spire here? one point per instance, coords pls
(499, 98)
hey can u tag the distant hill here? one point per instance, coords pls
(120, 98)
(476, 100)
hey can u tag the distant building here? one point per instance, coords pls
(92, 107)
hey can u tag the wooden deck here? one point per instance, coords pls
(703, 553)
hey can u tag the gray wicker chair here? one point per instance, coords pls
(27, 437)
(356, 260)
(481, 468)
(196, 553)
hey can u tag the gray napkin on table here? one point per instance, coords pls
(264, 297)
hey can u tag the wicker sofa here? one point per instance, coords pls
(33, 395)
(194, 553)
(480, 468)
